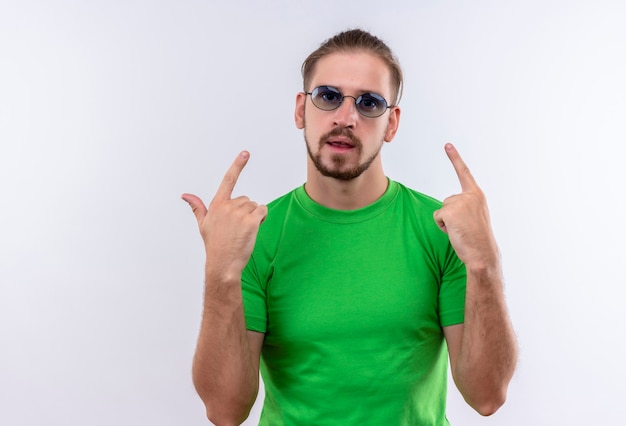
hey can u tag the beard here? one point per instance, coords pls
(337, 170)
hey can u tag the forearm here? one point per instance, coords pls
(488, 353)
(224, 372)
(226, 363)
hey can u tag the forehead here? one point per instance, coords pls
(353, 72)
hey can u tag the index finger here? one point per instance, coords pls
(462, 171)
(225, 190)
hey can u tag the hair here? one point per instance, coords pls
(356, 40)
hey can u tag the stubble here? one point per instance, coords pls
(337, 168)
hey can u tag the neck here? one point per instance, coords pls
(346, 195)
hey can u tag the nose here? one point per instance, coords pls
(346, 115)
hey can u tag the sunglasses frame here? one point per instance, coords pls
(357, 100)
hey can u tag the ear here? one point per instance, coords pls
(392, 125)
(299, 113)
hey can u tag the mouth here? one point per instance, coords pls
(341, 144)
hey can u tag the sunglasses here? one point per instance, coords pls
(328, 98)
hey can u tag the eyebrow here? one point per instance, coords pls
(360, 92)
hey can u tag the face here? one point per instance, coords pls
(343, 143)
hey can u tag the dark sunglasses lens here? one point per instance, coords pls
(371, 104)
(326, 98)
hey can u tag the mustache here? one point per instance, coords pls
(341, 131)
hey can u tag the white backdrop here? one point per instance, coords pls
(109, 110)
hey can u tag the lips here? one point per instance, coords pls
(340, 142)
(340, 145)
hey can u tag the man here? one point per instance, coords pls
(345, 292)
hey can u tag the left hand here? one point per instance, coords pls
(465, 218)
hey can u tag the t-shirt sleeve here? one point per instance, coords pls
(452, 290)
(254, 299)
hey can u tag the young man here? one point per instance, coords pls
(350, 292)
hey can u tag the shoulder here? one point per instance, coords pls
(281, 205)
(417, 199)
(277, 212)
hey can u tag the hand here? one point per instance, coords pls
(465, 218)
(229, 226)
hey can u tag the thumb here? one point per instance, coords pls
(439, 221)
(197, 206)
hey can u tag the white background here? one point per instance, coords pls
(109, 110)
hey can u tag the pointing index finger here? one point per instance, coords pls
(462, 171)
(227, 185)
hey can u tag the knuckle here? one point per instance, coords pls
(230, 178)
(241, 199)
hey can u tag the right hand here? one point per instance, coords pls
(229, 226)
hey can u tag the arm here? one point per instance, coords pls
(483, 350)
(226, 362)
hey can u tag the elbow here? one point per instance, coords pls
(221, 417)
(486, 393)
(222, 410)
(488, 405)
(226, 405)
(227, 414)
(487, 410)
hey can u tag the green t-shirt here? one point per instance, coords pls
(352, 304)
